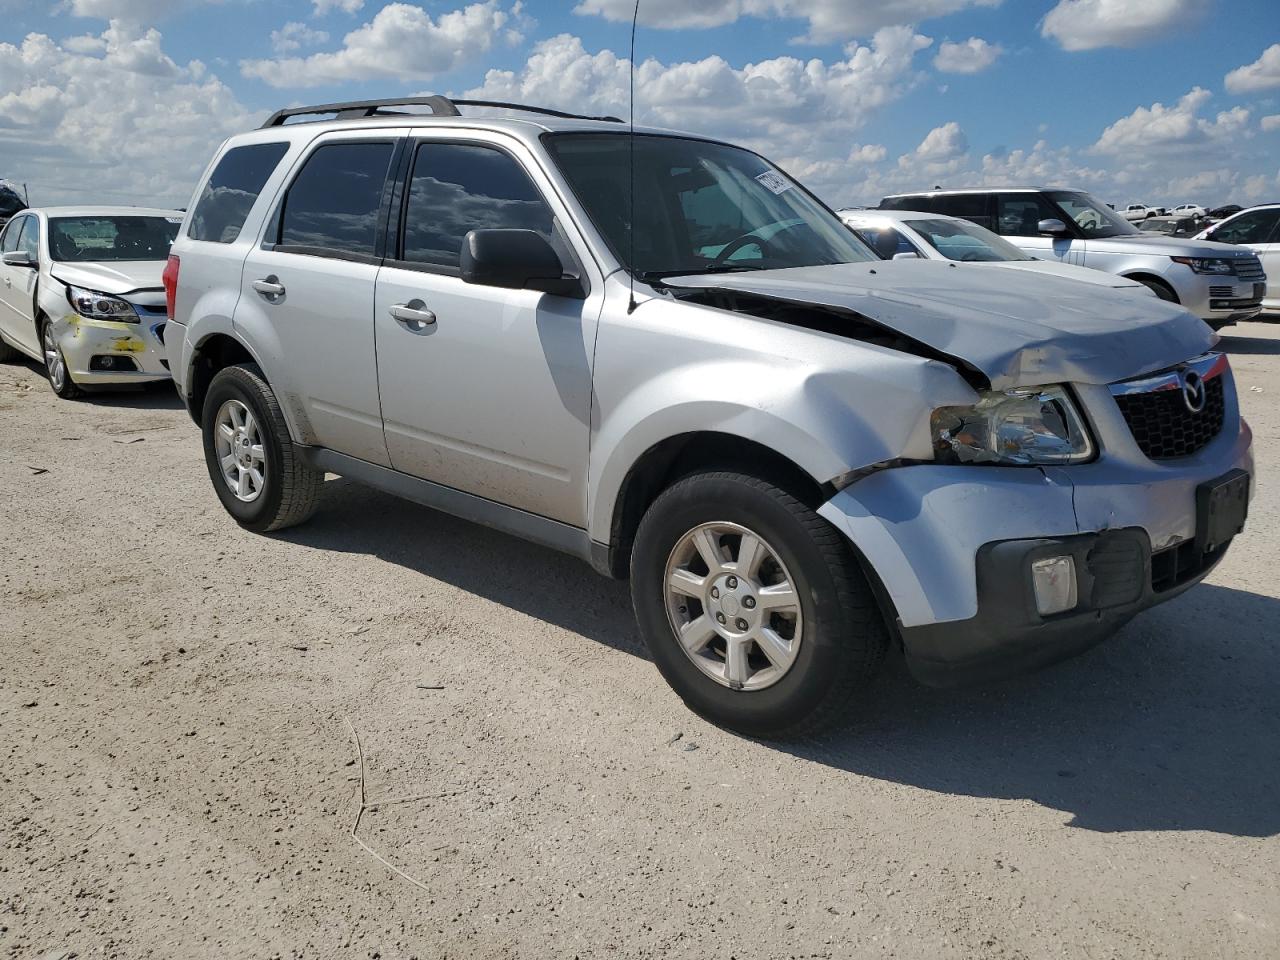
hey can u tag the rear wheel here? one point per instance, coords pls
(753, 606)
(256, 471)
(55, 364)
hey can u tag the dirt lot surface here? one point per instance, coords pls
(178, 780)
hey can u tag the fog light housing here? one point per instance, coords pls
(1054, 581)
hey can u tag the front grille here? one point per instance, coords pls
(1222, 293)
(1249, 269)
(1165, 428)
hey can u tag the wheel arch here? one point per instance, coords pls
(1145, 276)
(214, 352)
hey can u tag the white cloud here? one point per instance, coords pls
(402, 42)
(829, 20)
(1270, 124)
(1090, 24)
(130, 11)
(970, 56)
(325, 7)
(82, 121)
(1158, 127)
(946, 142)
(294, 36)
(1262, 74)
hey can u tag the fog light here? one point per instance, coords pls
(1054, 579)
(108, 363)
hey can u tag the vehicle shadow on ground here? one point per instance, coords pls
(1172, 725)
(149, 396)
(1252, 346)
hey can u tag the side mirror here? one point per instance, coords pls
(906, 256)
(1053, 226)
(19, 258)
(516, 260)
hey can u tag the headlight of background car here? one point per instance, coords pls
(100, 306)
(1013, 427)
(1214, 265)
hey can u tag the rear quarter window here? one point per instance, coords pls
(231, 191)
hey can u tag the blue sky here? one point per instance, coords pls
(1153, 100)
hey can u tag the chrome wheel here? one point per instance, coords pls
(53, 361)
(241, 455)
(733, 605)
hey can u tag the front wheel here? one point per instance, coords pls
(55, 364)
(257, 472)
(753, 606)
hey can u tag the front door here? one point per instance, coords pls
(1018, 218)
(18, 284)
(483, 389)
(1259, 230)
(308, 291)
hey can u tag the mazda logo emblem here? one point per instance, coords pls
(1193, 390)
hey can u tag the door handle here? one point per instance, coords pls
(271, 289)
(413, 316)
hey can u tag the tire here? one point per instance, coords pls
(289, 490)
(56, 370)
(1161, 290)
(841, 632)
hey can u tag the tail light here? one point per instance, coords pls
(170, 280)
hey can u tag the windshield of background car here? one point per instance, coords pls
(99, 239)
(1153, 225)
(961, 240)
(699, 207)
(1094, 218)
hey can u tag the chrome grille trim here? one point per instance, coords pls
(1208, 365)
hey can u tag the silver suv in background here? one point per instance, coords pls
(796, 451)
(1219, 283)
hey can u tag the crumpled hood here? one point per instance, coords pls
(1018, 328)
(118, 277)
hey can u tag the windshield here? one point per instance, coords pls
(700, 207)
(1157, 226)
(961, 240)
(1094, 218)
(105, 239)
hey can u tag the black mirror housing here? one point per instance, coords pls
(516, 260)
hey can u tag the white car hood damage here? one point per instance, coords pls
(1018, 328)
(117, 277)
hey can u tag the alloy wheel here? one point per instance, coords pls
(240, 450)
(53, 361)
(733, 605)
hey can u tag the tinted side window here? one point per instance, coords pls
(457, 188)
(9, 242)
(30, 242)
(1254, 227)
(974, 207)
(231, 191)
(886, 241)
(333, 204)
(907, 203)
(1021, 213)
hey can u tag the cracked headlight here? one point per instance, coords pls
(100, 306)
(1013, 427)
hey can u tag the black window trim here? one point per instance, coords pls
(271, 233)
(396, 226)
(31, 219)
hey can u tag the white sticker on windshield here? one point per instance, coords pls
(174, 219)
(774, 181)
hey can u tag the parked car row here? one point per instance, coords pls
(799, 449)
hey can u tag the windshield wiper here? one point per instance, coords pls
(650, 275)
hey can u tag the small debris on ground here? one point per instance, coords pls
(36, 471)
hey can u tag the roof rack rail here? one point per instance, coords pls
(440, 107)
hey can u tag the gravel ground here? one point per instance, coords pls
(178, 778)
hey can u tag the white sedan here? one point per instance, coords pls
(81, 290)
(905, 235)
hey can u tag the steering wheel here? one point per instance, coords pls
(1089, 224)
(747, 239)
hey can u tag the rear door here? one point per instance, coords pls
(493, 395)
(311, 281)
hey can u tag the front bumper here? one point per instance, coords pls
(1219, 300)
(944, 540)
(109, 352)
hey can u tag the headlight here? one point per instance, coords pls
(1013, 427)
(1214, 265)
(100, 306)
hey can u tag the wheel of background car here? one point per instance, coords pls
(1162, 290)
(753, 606)
(256, 471)
(55, 364)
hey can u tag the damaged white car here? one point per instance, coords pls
(799, 453)
(81, 290)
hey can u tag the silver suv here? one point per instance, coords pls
(1217, 282)
(798, 453)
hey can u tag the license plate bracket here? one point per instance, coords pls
(1222, 506)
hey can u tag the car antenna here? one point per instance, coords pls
(631, 213)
